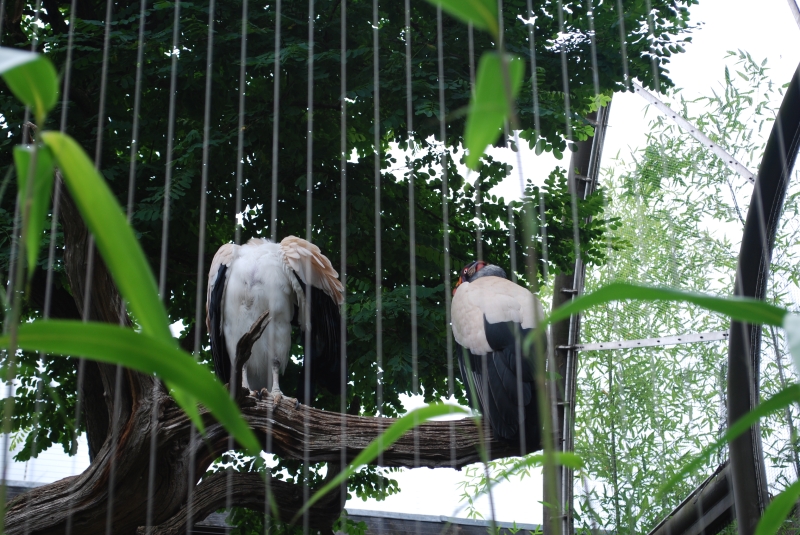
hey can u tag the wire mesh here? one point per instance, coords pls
(677, 226)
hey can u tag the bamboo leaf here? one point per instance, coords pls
(489, 106)
(115, 239)
(481, 13)
(769, 406)
(381, 443)
(118, 246)
(32, 78)
(139, 351)
(778, 509)
(39, 197)
(791, 324)
(738, 308)
(562, 458)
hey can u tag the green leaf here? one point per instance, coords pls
(481, 13)
(34, 214)
(776, 403)
(489, 106)
(118, 246)
(189, 405)
(791, 324)
(32, 78)
(114, 237)
(104, 342)
(778, 509)
(738, 308)
(562, 458)
(381, 443)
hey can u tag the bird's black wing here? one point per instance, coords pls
(222, 362)
(324, 354)
(504, 385)
(469, 365)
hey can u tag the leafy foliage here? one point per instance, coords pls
(679, 208)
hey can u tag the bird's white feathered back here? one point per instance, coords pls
(261, 276)
(499, 300)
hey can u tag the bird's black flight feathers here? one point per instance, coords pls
(496, 382)
(324, 353)
(222, 362)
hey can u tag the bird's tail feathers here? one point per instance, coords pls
(499, 396)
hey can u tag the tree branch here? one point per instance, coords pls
(248, 489)
(297, 429)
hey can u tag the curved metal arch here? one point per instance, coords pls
(749, 482)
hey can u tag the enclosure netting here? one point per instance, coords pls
(679, 216)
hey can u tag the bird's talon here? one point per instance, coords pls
(296, 404)
(276, 396)
(258, 394)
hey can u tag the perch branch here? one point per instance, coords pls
(297, 430)
(248, 490)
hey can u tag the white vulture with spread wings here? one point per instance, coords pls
(491, 317)
(246, 280)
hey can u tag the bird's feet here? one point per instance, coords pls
(276, 395)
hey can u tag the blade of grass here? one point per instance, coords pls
(481, 13)
(117, 345)
(489, 106)
(738, 308)
(563, 458)
(40, 197)
(117, 244)
(769, 406)
(381, 443)
(32, 78)
(560, 458)
(778, 509)
(114, 237)
(791, 324)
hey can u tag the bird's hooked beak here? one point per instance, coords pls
(458, 283)
(468, 272)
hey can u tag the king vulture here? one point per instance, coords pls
(245, 281)
(489, 314)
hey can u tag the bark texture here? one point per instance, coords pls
(123, 409)
(249, 490)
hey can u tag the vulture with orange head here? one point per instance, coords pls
(491, 317)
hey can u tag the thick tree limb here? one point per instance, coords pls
(439, 444)
(249, 490)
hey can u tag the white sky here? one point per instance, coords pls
(765, 29)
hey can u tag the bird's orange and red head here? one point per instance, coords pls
(468, 272)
